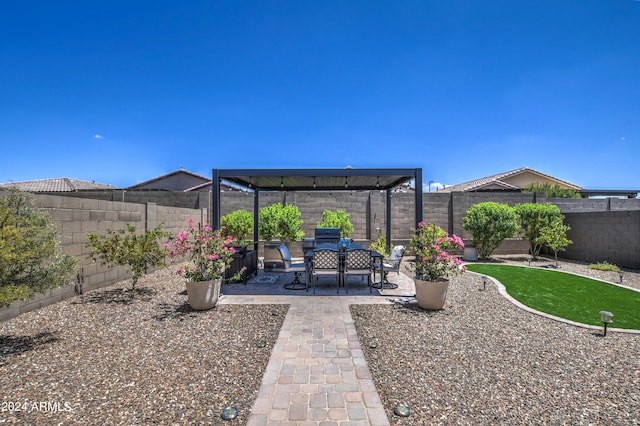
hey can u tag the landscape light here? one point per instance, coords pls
(606, 317)
(229, 413)
(402, 410)
(621, 273)
(484, 282)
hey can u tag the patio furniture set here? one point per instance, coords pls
(330, 257)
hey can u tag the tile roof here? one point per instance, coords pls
(63, 184)
(499, 180)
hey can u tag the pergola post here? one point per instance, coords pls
(256, 208)
(215, 189)
(388, 214)
(418, 191)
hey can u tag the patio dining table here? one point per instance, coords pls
(308, 259)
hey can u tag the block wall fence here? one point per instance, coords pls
(601, 229)
(75, 218)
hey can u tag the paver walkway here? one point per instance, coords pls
(317, 373)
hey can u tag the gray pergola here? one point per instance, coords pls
(348, 179)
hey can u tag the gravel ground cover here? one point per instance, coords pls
(482, 360)
(101, 358)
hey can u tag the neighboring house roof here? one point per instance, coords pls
(56, 185)
(512, 180)
(180, 180)
(207, 187)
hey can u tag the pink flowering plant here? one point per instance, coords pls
(432, 247)
(208, 251)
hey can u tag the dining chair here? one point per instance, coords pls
(296, 268)
(391, 265)
(325, 263)
(357, 262)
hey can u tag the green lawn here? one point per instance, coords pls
(566, 295)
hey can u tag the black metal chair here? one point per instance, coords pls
(392, 265)
(325, 263)
(296, 268)
(357, 262)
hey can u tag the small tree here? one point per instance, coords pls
(237, 224)
(128, 248)
(532, 217)
(280, 221)
(338, 219)
(555, 236)
(490, 223)
(31, 260)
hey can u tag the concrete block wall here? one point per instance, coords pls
(75, 218)
(611, 236)
(190, 200)
(601, 229)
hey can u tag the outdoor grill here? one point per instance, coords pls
(327, 235)
(308, 244)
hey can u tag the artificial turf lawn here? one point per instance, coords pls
(566, 295)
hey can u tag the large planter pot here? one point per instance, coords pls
(203, 295)
(431, 294)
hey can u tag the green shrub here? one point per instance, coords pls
(280, 221)
(338, 219)
(238, 224)
(31, 260)
(490, 223)
(128, 248)
(604, 266)
(552, 191)
(380, 245)
(532, 218)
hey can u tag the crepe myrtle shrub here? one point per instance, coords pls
(237, 224)
(31, 260)
(554, 236)
(280, 221)
(337, 219)
(490, 223)
(532, 218)
(432, 247)
(126, 247)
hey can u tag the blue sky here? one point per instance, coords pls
(123, 91)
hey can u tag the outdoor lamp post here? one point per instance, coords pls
(606, 320)
(621, 274)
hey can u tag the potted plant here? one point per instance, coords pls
(434, 263)
(209, 254)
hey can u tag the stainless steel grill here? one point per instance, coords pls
(327, 235)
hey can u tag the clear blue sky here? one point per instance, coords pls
(123, 91)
